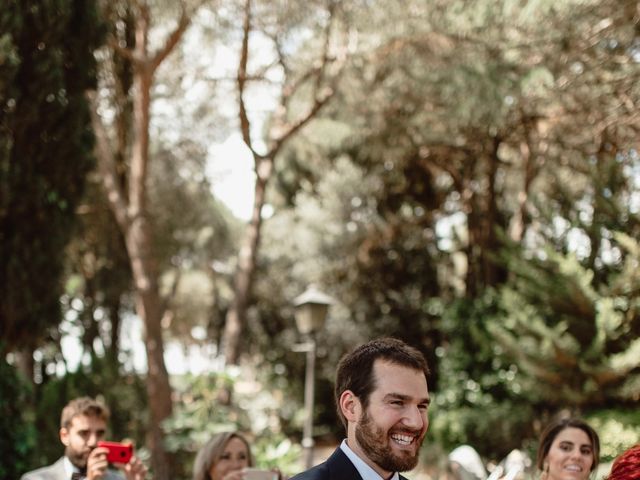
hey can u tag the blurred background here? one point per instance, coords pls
(461, 174)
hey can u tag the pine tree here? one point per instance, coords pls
(576, 341)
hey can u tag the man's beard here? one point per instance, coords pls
(375, 444)
(78, 459)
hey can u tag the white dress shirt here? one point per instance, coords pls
(69, 468)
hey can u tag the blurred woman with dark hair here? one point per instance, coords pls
(569, 449)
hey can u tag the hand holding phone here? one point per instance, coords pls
(118, 452)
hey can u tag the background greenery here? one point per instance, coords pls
(471, 185)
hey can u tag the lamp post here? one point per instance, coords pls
(311, 312)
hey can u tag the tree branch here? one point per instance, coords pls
(321, 94)
(172, 40)
(107, 166)
(122, 51)
(245, 123)
(293, 128)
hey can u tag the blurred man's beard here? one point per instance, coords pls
(375, 444)
(78, 459)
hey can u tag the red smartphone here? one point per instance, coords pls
(118, 452)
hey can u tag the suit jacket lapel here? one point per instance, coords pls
(341, 468)
(58, 470)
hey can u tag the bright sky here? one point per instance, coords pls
(230, 171)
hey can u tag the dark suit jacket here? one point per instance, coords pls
(56, 472)
(337, 467)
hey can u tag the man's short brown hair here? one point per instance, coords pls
(83, 406)
(355, 370)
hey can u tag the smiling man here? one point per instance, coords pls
(82, 424)
(382, 399)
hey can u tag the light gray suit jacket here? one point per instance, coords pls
(56, 472)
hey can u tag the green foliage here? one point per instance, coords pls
(46, 146)
(493, 429)
(618, 430)
(18, 433)
(479, 400)
(277, 451)
(199, 414)
(550, 338)
(190, 241)
(9, 61)
(573, 338)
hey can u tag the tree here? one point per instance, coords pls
(46, 143)
(128, 196)
(463, 124)
(575, 339)
(308, 89)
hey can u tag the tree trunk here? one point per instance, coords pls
(530, 149)
(517, 225)
(243, 278)
(112, 304)
(25, 363)
(131, 212)
(149, 304)
(492, 273)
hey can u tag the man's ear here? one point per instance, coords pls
(64, 436)
(350, 406)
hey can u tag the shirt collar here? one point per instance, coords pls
(365, 471)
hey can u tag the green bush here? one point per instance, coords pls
(479, 400)
(618, 429)
(18, 435)
(493, 430)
